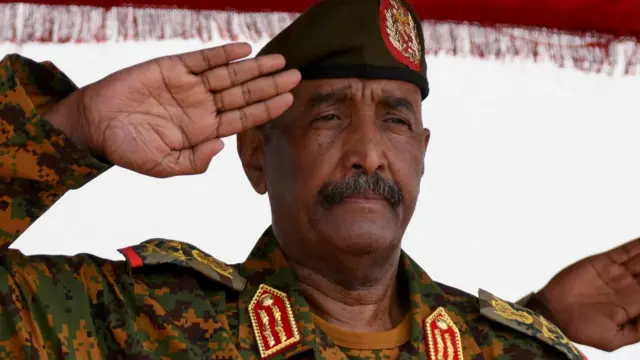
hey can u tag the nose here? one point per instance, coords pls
(364, 150)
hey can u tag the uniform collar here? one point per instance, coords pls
(267, 265)
(428, 297)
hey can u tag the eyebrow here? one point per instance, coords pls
(343, 94)
(397, 103)
(333, 96)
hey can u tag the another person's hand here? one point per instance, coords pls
(166, 116)
(596, 301)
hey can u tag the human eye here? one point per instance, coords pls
(327, 117)
(398, 121)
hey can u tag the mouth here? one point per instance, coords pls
(364, 196)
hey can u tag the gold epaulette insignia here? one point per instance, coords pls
(527, 322)
(161, 251)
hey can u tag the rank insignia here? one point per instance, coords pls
(527, 322)
(163, 251)
(400, 33)
(442, 337)
(273, 322)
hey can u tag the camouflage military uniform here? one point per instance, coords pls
(170, 300)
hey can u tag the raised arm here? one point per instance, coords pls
(161, 118)
(38, 162)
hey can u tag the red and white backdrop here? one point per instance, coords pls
(533, 162)
(578, 32)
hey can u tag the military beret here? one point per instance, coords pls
(371, 39)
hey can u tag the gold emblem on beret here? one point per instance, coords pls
(400, 33)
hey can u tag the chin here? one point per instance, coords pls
(361, 237)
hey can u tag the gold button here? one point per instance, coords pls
(266, 300)
(442, 324)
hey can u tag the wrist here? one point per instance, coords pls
(539, 303)
(68, 117)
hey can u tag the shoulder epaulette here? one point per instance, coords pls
(162, 251)
(528, 322)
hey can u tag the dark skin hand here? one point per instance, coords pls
(596, 301)
(167, 116)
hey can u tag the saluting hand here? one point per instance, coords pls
(596, 301)
(166, 116)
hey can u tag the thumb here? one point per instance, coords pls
(204, 152)
(629, 334)
(196, 160)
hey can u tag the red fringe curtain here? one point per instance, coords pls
(591, 35)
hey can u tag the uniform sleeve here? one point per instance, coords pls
(38, 164)
(50, 306)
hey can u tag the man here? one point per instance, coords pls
(341, 162)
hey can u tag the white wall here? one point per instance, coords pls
(529, 169)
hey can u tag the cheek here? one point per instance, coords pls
(299, 166)
(406, 161)
(317, 157)
(279, 170)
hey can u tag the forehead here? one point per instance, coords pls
(358, 89)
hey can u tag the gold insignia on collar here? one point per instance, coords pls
(273, 323)
(442, 337)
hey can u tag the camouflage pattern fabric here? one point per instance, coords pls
(170, 300)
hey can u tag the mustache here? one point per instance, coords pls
(335, 192)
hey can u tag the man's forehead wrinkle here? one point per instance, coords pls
(331, 94)
(352, 91)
